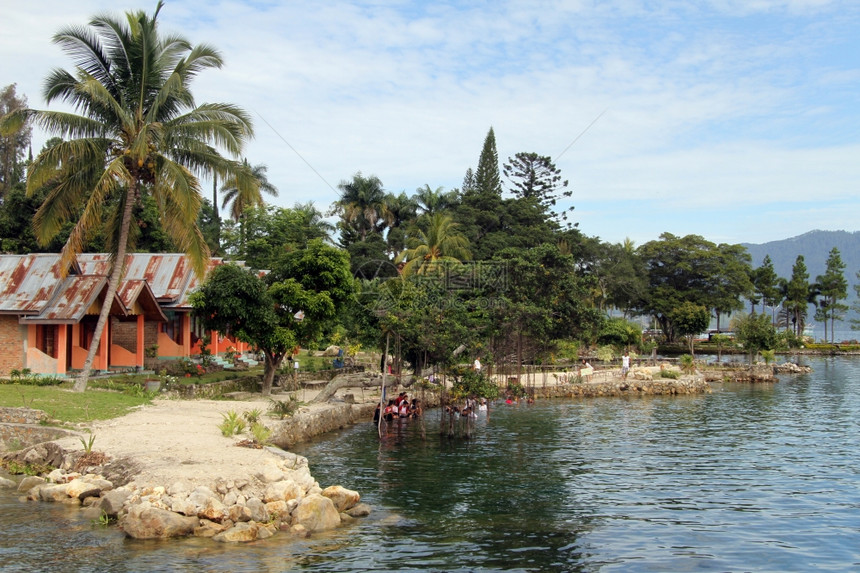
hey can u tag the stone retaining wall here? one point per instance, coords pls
(630, 387)
(16, 436)
(21, 427)
(302, 427)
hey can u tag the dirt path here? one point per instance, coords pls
(173, 440)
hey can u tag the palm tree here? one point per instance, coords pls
(402, 209)
(441, 243)
(362, 207)
(313, 223)
(136, 130)
(242, 189)
(432, 201)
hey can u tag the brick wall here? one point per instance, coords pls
(11, 344)
(125, 334)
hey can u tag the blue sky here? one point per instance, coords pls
(733, 119)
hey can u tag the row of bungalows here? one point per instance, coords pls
(48, 317)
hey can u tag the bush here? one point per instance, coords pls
(687, 363)
(671, 374)
(283, 408)
(231, 424)
(261, 433)
(468, 382)
(27, 378)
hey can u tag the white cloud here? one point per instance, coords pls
(707, 105)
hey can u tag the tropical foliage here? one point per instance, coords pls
(494, 268)
(137, 133)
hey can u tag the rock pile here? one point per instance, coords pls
(631, 386)
(791, 368)
(281, 497)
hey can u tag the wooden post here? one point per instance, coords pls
(382, 390)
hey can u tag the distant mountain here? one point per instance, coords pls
(815, 246)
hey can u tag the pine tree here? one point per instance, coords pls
(487, 180)
(833, 288)
(797, 294)
(536, 177)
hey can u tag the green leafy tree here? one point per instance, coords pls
(833, 288)
(431, 201)
(15, 143)
(730, 279)
(720, 340)
(766, 283)
(620, 276)
(620, 333)
(270, 231)
(481, 213)
(543, 298)
(690, 319)
(692, 269)
(138, 132)
(235, 300)
(756, 333)
(289, 308)
(404, 211)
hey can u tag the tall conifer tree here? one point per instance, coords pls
(487, 179)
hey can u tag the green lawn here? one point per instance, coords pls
(66, 406)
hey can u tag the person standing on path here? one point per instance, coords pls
(625, 365)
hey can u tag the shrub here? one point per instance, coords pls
(671, 374)
(261, 433)
(283, 408)
(88, 444)
(253, 416)
(605, 354)
(231, 424)
(687, 363)
(468, 382)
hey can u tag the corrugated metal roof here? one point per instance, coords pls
(27, 282)
(31, 285)
(168, 274)
(132, 291)
(75, 295)
(194, 282)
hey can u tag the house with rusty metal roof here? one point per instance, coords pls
(48, 314)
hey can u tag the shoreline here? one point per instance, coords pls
(166, 470)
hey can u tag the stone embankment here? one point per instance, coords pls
(629, 387)
(20, 427)
(166, 470)
(282, 496)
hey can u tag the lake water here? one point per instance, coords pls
(749, 478)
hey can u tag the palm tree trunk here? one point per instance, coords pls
(113, 284)
(217, 214)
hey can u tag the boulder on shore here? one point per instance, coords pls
(146, 522)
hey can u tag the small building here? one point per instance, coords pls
(48, 318)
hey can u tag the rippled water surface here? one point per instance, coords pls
(749, 478)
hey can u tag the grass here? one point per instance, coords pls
(64, 405)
